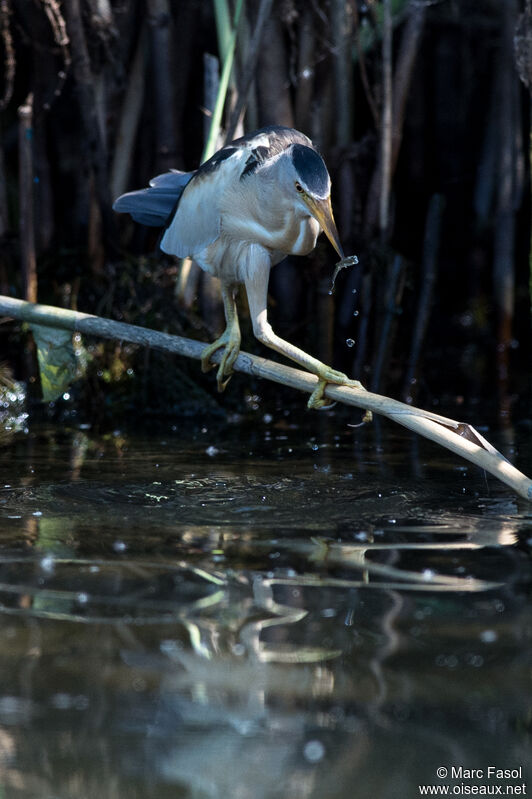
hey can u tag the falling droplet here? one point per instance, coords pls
(350, 342)
(314, 751)
(48, 564)
(356, 313)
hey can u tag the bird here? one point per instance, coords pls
(260, 198)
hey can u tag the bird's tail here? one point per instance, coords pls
(153, 206)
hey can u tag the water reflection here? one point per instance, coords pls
(257, 622)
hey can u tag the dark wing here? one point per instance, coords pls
(275, 138)
(257, 157)
(153, 206)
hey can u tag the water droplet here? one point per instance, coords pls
(314, 751)
(350, 342)
(488, 636)
(48, 563)
(170, 647)
(356, 313)
(212, 451)
(330, 292)
(61, 701)
(119, 546)
(353, 291)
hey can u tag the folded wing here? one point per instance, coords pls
(154, 205)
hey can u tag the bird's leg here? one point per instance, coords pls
(230, 339)
(257, 288)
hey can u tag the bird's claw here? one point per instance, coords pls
(317, 400)
(223, 379)
(231, 343)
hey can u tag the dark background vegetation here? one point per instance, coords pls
(421, 110)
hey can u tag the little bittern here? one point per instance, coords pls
(258, 199)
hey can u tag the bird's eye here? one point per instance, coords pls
(299, 187)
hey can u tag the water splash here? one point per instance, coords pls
(13, 415)
(350, 260)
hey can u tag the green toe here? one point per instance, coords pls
(231, 344)
(327, 375)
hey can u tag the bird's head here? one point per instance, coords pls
(310, 184)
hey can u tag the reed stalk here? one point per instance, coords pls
(216, 121)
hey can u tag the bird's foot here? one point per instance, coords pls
(328, 375)
(230, 340)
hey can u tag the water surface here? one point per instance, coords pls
(260, 610)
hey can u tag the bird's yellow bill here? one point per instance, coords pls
(322, 211)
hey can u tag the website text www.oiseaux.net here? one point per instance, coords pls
(490, 781)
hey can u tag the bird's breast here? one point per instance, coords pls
(277, 229)
(305, 233)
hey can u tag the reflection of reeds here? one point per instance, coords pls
(399, 579)
(43, 589)
(129, 602)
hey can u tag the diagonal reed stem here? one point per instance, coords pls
(458, 437)
(216, 120)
